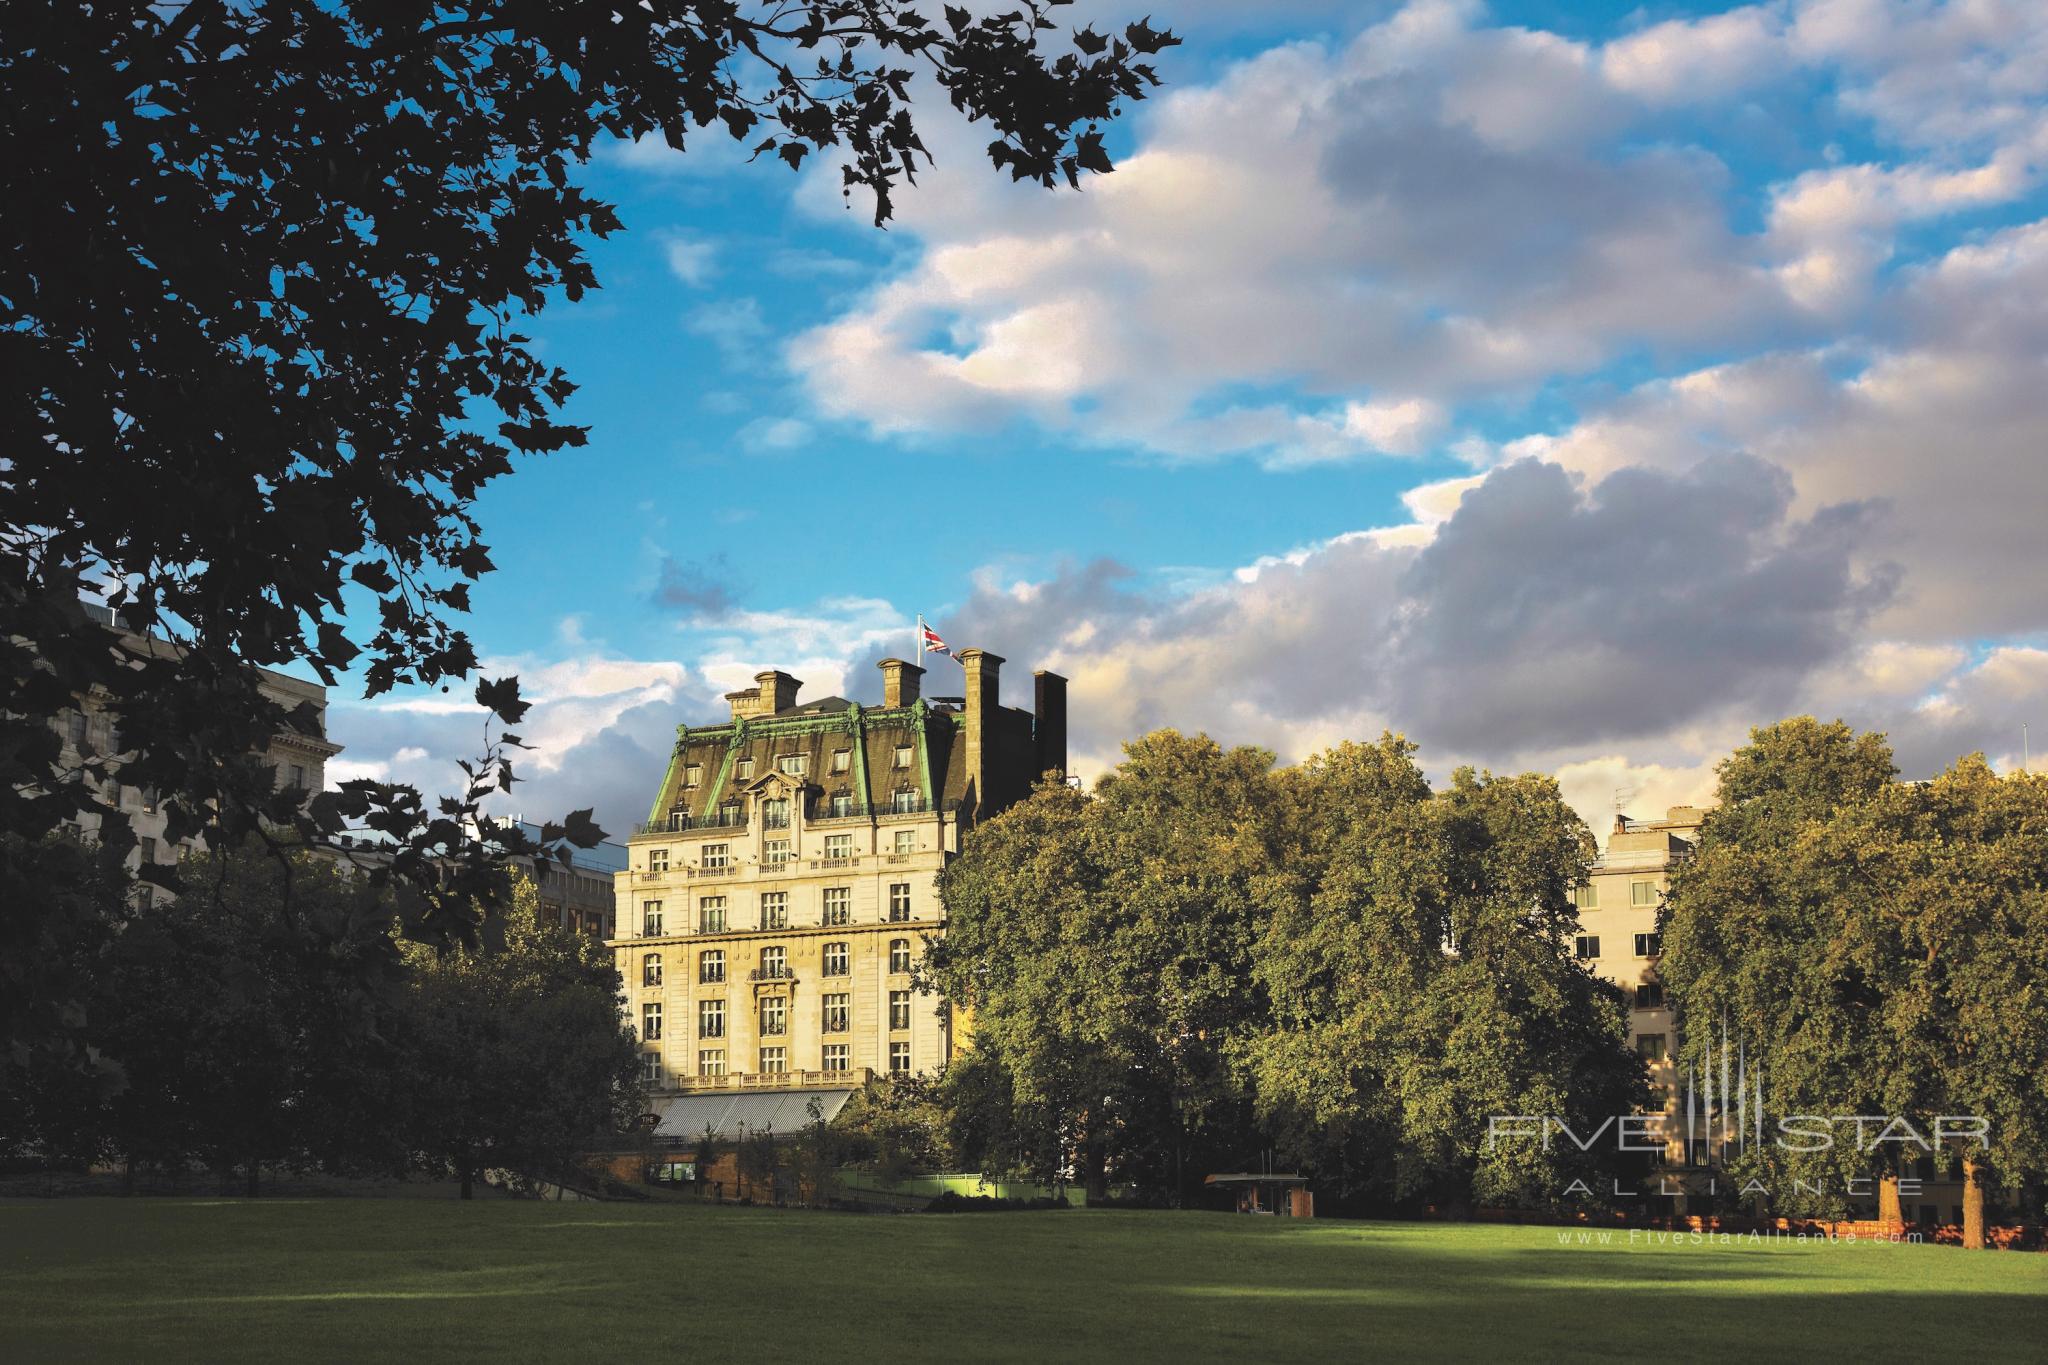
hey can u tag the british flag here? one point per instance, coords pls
(929, 641)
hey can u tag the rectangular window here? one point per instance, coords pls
(774, 1015)
(1651, 1046)
(298, 772)
(1586, 946)
(774, 909)
(692, 774)
(903, 752)
(774, 1060)
(833, 960)
(650, 1021)
(650, 1068)
(650, 970)
(899, 902)
(842, 759)
(794, 764)
(775, 853)
(838, 906)
(714, 857)
(1586, 897)
(899, 1010)
(74, 728)
(774, 964)
(775, 813)
(899, 955)
(711, 1061)
(906, 841)
(1649, 945)
(1650, 995)
(1642, 893)
(838, 1057)
(838, 847)
(838, 1013)
(657, 860)
(148, 846)
(899, 1059)
(711, 915)
(711, 967)
(650, 920)
(743, 769)
(905, 801)
(710, 1018)
(841, 804)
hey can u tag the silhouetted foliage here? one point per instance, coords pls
(263, 272)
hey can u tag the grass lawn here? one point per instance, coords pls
(273, 1280)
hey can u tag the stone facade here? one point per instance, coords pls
(299, 760)
(784, 886)
(1618, 937)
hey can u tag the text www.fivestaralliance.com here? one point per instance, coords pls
(1761, 1240)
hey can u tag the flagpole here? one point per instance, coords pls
(920, 639)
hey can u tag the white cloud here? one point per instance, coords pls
(689, 260)
(1429, 212)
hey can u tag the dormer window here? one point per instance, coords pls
(743, 769)
(842, 760)
(793, 764)
(903, 755)
(693, 774)
(905, 800)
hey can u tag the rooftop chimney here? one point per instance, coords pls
(1049, 723)
(745, 704)
(778, 691)
(901, 682)
(984, 692)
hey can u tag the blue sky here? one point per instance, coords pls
(1569, 386)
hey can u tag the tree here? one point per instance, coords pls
(1418, 967)
(896, 1124)
(1963, 922)
(229, 1020)
(69, 903)
(819, 1154)
(515, 1058)
(710, 1147)
(757, 1160)
(1767, 947)
(1104, 943)
(262, 280)
(1879, 944)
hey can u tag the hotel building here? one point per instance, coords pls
(784, 887)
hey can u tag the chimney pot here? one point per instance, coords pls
(901, 682)
(778, 691)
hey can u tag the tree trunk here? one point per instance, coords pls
(468, 1183)
(1095, 1170)
(1888, 1211)
(255, 1172)
(1973, 1203)
(128, 1176)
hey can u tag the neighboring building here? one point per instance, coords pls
(577, 894)
(299, 760)
(785, 884)
(1618, 937)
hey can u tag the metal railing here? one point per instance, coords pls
(679, 822)
(771, 974)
